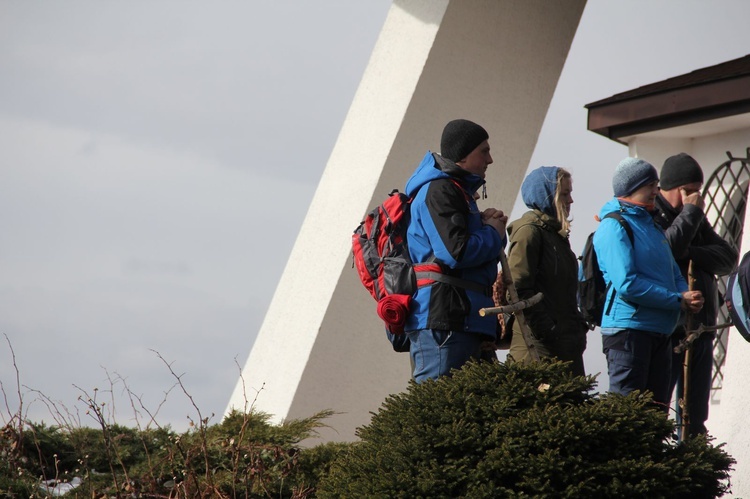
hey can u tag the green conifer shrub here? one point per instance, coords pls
(244, 455)
(508, 430)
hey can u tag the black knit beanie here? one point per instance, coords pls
(460, 137)
(679, 170)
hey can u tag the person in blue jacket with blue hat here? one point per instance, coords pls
(646, 289)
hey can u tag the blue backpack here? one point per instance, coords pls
(738, 296)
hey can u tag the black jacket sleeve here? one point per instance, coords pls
(692, 238)
(681, 232)
(714, 255)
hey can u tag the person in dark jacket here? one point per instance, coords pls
(448, 231)
(679, 211)
(540, 259)
(646, 290)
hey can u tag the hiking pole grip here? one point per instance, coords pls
(512, 307)
(511, 288)
(695, 334)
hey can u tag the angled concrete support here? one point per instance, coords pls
(496, 62)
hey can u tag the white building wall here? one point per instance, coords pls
(708, 143)
(728, 416)
(728, 421)
(496, 62)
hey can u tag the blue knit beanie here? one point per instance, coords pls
(632, 174)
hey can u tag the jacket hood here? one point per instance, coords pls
(434, 166)
(538, 189)
(615, 204)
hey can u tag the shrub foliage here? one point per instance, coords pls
(491, 430)
(243, 456)
(508, 430)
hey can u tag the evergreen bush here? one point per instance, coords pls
(509, 430)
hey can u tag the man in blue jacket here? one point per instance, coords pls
(646, 290)
(448, 233)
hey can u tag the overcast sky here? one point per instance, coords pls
(157, 160)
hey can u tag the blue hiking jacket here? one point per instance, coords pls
(646, 282)
(446, 227)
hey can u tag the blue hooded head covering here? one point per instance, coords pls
(538, 189)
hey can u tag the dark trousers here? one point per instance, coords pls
(699, 379)
(639, 360)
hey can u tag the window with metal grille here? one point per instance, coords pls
(725, 194)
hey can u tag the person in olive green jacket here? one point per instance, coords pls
(540, 259)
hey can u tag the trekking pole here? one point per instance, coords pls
(685, 416)
(691, 336)
(516, 306)
(512, 307)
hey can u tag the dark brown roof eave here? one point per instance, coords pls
(681, 106)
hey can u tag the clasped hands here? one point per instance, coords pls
(495, 218)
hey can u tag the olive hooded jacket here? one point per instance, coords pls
(540, 259)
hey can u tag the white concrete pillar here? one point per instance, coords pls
(496, 62)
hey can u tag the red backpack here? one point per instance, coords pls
(382, 259)
(383, 263)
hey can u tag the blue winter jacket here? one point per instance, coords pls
(446, 227)
(646, 282)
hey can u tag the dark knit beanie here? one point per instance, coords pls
(632, 174)
(460, 137)
(679, 170)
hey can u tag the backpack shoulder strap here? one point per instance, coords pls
(449, 179)
(629, 231)
(461, 188)
(454, 181)
(624, 223)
